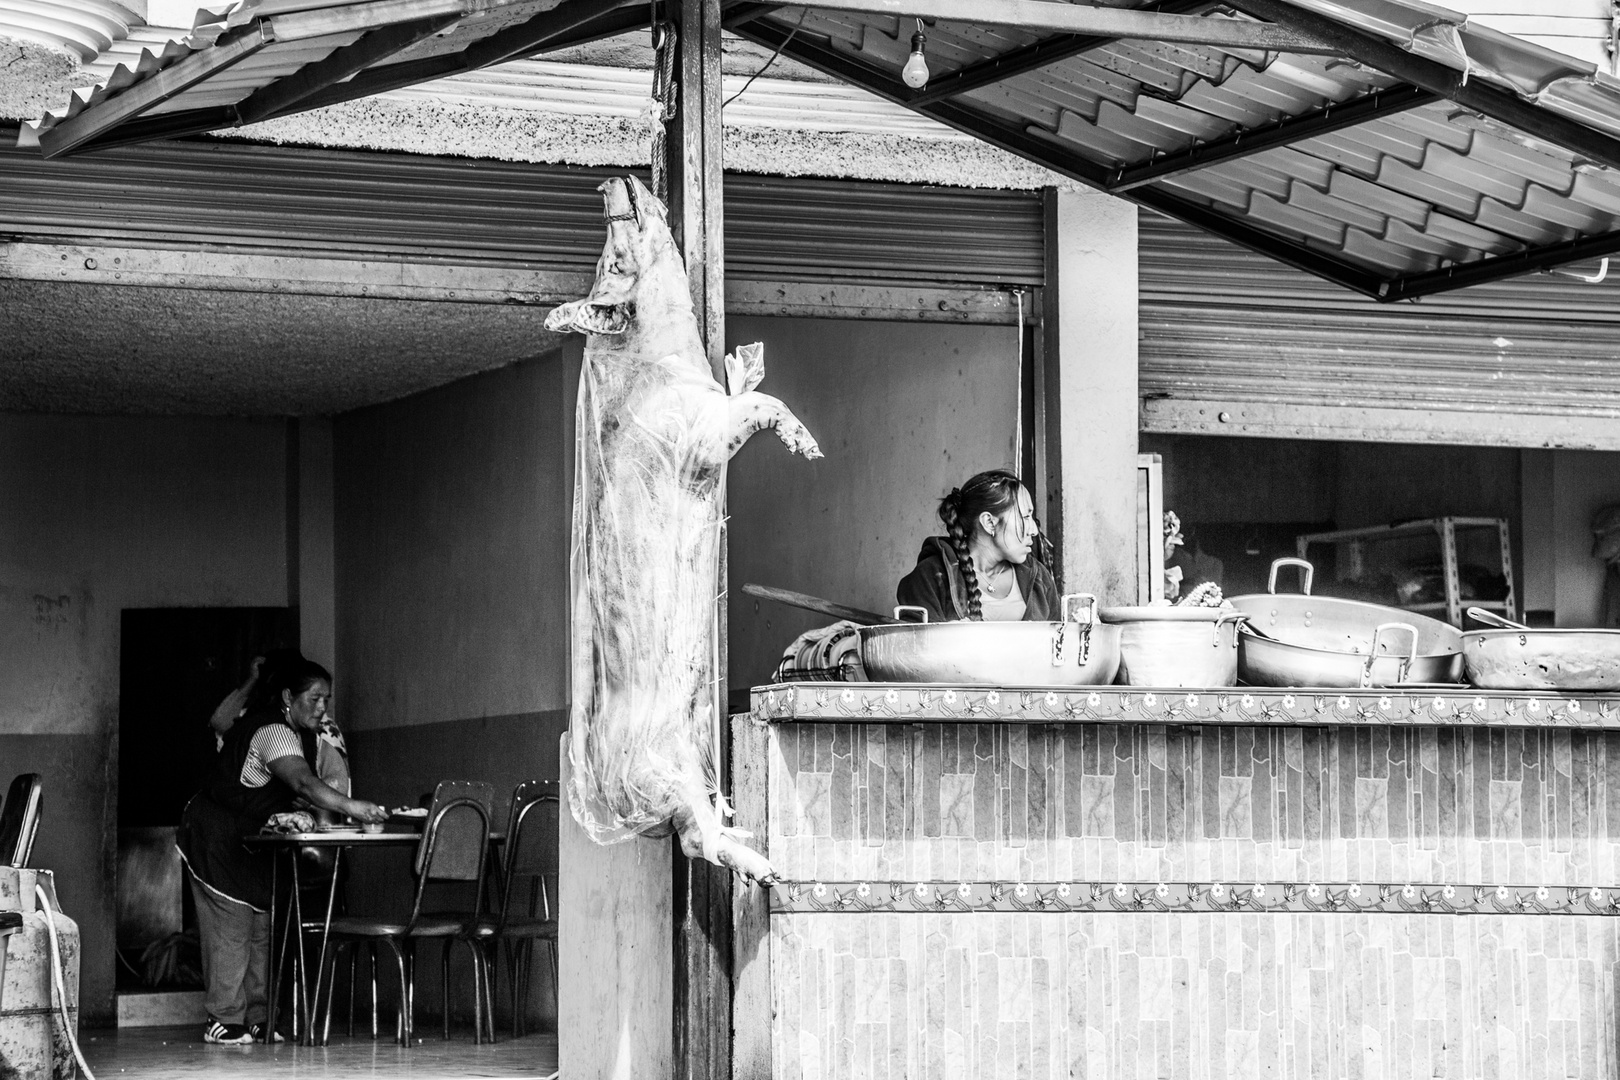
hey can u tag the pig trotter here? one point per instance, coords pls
(703, 837)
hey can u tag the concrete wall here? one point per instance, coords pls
(903, 412)
(102, 514)
(451, 570)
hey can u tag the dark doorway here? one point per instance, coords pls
(176, 666)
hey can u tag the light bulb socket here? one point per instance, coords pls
(917, 41)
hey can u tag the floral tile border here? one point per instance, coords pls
(876, 703)
(970, 897)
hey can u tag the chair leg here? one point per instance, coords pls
(556, 987)
(331, 993)
(410, 999)
(354, 967)
(402, 1025)
(371, 947)
(444, 984)
(486, 1002)
(486, 959)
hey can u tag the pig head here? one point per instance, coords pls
(654, 432)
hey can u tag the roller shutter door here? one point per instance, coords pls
(537, 216)
(1234, 343)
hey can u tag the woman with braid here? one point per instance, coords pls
(990, 564)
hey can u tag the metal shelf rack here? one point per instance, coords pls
(1445, 530)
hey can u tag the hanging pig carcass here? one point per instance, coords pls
(654, 433)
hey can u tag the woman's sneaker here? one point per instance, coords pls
(258, 1030)
(221, 1034)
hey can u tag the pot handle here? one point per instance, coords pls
(1308, 572)
(1406, 661)
(1226, 617)
(911, 607)
(1089, 609)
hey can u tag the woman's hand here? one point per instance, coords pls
(368, 812)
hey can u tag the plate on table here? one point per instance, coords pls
(414, 814)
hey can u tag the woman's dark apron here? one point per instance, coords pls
(216, 819)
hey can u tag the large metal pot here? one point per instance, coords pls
(1175, 646)
(1522, 658)
(1305, 640)
(1077, 651)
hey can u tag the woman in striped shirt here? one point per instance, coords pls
(266, 766)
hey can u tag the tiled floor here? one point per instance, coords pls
(179, 1052)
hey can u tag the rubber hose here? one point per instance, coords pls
(56, 978)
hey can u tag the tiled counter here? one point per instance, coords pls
(1126, 883)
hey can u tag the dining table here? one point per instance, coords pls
(284, 846)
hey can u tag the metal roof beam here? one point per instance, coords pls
(561, 27)
(1437, 78)
(823, 57)
(1481, 271)
(1087, 19)
(1291, 129)
(1033, 57)
(287, 95)
(323, 82)
(150, 92)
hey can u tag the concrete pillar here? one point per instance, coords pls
(615, 944)
(1091, 358)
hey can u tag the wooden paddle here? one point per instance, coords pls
(818, 605)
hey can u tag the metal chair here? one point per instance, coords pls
(454, 841)
(20, 819)
(527, 912)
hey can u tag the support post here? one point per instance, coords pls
(1090, 356)
(702, 912)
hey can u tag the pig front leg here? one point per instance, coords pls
(753, 411)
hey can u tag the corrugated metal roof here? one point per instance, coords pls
(1397, 203)
(84, 28)
(1395, 194)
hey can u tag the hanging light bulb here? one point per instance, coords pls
(915, 73)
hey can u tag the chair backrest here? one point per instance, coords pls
(456, 833)
(531, 851)
(454, 840)
(20, 819)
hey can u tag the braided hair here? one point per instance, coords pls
(994, 492)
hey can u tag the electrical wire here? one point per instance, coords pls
(767, 65)
(56, 978)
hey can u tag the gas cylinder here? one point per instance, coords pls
(33, 1042)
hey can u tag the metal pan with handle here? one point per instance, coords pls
(1519, 657)
(1296, 639)
(1077, 650)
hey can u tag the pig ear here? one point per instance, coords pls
(645, 199)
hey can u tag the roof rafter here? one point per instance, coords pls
(561, 27)
(1480, 271)
(1330, 118)
(1054, 156)
(1437, 78)
(1089, 19)
(328, 81)
(285, 95)
(1033, 57)
(147, 94)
